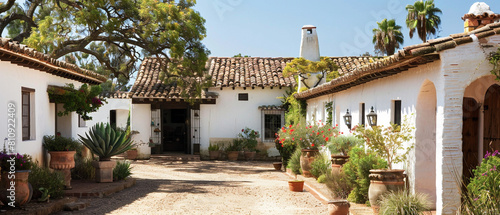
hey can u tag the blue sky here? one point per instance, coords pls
(272, 28)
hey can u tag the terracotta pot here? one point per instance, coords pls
(337, 162)
(307, 157)
(249, 156)
(277, 165)
(63, 161)
(132, 154)
(214, 155)
(296, 186)
(104, 170)
(232, 155)
(338, 207)
(17, 194)
(382, 181)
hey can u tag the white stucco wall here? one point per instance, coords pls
(226, 118)
(13, 78)
(456, 70)
(140, 120)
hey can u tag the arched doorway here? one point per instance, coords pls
(470, 134)
(491, 137)
(425, 141)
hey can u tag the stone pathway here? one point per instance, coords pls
(206, 187)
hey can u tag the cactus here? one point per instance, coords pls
(104, 141)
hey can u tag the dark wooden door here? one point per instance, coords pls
(492, 119)
(174, 130)
(470, 135)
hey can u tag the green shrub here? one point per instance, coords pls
(83, 168)
(338, 184)
(58, 143)
(286, 151)
(122, 170)
(482, 195)
(294, 163)
(322, 178)
(237, 145)
(43, 178)
(404, 203)
(357, 170)
(342, 144)
(320, 166)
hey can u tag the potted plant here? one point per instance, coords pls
(388, 143)
(15, 169)
(249, 138)
(339, 187)
(104, 141)
(286, 150)
(296, 185)
(339, 148)
(308, 138)
(62, 152)
(214, 151)
(234, 149)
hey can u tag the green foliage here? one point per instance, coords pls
(44, 178)
(338, 184)
(422, 17)
(329, 111)
(21, 162)
(58, 143)
(482, 194)
(112, 36)
(495, 61)
(213, 147)
(240, 55)
(296, 110)
(286, 150)
(294, 162)
(307, 136)
(320, 166)
(305, 68)
(342, 144)
(404, 203)
(122, 170)
(387, 37)
(388, 142)
(83, 168)
(357, 170)
(105, 142)
(249, 138)
(82, 101)
(44, 195)
(237, 145)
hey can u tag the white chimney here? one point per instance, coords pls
(309, 49)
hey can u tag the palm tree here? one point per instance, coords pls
(422, 17)
(387, 37)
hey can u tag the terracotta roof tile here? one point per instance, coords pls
(22, 55)
(409, 56)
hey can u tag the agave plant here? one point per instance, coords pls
(104, 141)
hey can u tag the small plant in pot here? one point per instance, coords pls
(62, 152)
(105, 142)
(214, 151)
(234, 149)
(249, 138)
(15, 170)
(388, 143)
(339, 148)
(296, 185)
(339, 186)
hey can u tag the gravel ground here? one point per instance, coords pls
(206, 187)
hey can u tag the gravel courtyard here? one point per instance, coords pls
(206, 187)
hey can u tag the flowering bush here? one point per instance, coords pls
(83, 101)
(249, 138)
(14, 162)
(307, 136)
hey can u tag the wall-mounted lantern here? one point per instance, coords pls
(372, 118)
(348, 119)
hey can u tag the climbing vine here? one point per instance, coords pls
(296, 110)
(329, 110)
(83, 101)
(495, 61)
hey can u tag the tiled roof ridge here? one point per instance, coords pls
(14, 48)
(405, 55)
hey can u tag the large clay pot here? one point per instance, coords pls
(338, 207)
(63, 161)
(214, 155)
(132, 154)
(382, 181)
(232, 155)
(337, 162)
(17, 194)
(249, 156)
(306, 158)
(104, 170)
(296, 186)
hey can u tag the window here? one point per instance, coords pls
(81, 122)
(242, 96)
(272, 121)
(112, 118)
(362, 114)
(396, 115)
(27, 113)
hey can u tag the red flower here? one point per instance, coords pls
(242, 130)
(290, 126)
(336, 125)
(293, 138)
(313, 132)
(292, 130)
(281, 145)
(317, 133)
(341, 132)
(326, 139)
(301, 138)
(329, 129)
(312, 144)
(322, 131)
(256, 133)
(323, 136)
(310, 126)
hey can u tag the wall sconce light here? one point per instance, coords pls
(372, 118)
(348, 119)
